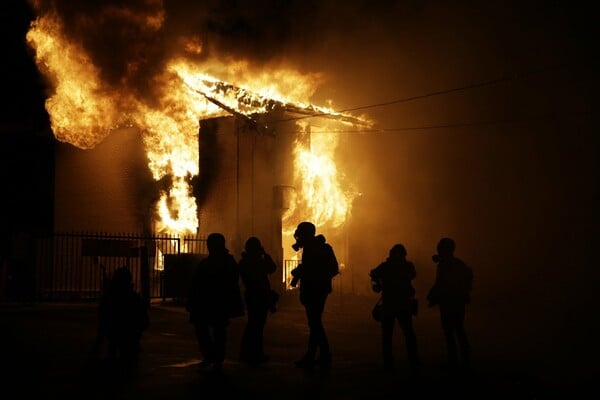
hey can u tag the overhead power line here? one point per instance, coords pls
(457, 125)
(456, 89)
(508, 77)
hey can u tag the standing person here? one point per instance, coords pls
(451, 291)
(393, 278)
(100, 332)
(214, 299)
(123, 317)
(315, 272)
(255, 267)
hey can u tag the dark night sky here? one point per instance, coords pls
(498, 146)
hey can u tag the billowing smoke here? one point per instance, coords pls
(130, 41)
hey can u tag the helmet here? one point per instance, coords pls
(305, 229)
(446, 246)
(253, 245)
(215, 242)
(398, 250)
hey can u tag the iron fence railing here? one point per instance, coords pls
(288, 266)
(75, 266)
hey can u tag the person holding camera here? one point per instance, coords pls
(314, 276)
(451, 292)
(393, 278)
(255, 267)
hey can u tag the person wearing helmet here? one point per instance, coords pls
(393, 278)
(314, 275)
(451, 292)
(255, 267)
(214, 298)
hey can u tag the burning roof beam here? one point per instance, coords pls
(251, 123)
(311, 111)
(257, 104)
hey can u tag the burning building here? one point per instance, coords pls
(262, 175)
(191, 146)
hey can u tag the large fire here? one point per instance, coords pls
(84, 108)
(321, 195)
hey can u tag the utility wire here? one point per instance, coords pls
(457, 89)
(453, 125)
(508, 77)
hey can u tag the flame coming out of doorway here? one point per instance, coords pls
(323, 198)
(86, 104)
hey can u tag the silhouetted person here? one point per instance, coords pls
(393, 278)
(315, 272)
(100, 331)
(255, 267)
(214, 299)
(123, 317)
(451, 292)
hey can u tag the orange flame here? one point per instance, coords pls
(84, 109)
(79, 93)
(322, 196)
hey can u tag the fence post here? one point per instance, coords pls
(145, 273)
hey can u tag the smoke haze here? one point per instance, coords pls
(484, 128)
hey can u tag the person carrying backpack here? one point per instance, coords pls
(451, 292)
(314, 274)
(393, 278)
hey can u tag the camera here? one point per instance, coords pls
(296, 272)
(294, 281)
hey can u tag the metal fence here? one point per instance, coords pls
(288, 266)
(75, 266)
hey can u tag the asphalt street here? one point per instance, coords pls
(46, 353)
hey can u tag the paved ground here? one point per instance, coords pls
(46, 352)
